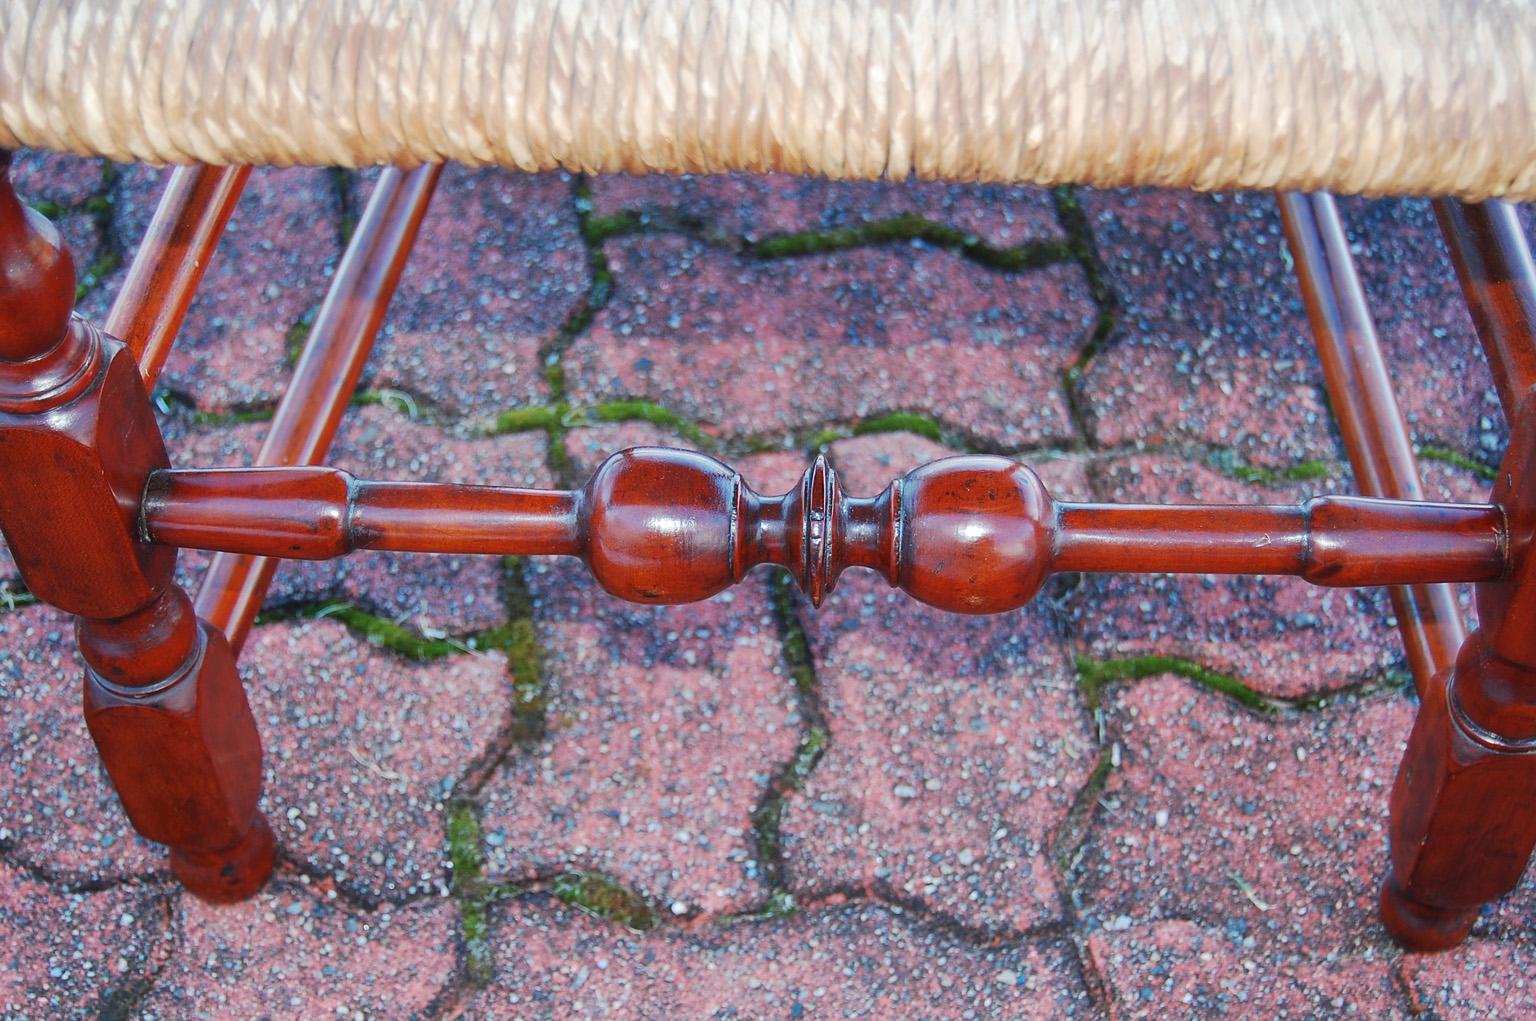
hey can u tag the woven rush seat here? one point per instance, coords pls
(1431, 97)
(1303, 97)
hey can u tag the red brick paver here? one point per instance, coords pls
(1144, 797)
(862, 961)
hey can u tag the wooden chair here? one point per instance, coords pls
(1431, 97)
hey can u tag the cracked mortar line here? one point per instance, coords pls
(791, 776)
(1074, 223)
(1072, 833)
(123, 1001)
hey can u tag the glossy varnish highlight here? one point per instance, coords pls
(93, 512)
(972, 534)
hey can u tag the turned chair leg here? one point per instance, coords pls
(163, 702)
(1462, 827)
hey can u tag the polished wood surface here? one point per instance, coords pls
(327, 374)
(93, 514)
(1461, 826)
(1493, 264)
(170, 261)
(37, 278)
(162, 700)
(1370, 422)
(973, 534)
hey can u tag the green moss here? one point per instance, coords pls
(825, 437)
(539, 417)
(554, 375)
(606, 898)
(298, 334)
(907, 230)
(1307, 471)
(597, 229)
(469, 889)
(900, 421)
(594, 231)
(1096, 675)
(645, 411)
(103, 266)
(525, 658)
(1483, 470)
(387, 634)
(239, 416)
(797, 649)
(1230, 464)
(52, 210)
(780, 904)
(791, 776)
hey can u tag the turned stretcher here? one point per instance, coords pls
(1430, 97)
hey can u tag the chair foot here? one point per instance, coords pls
(232, 874)
(1420, 927)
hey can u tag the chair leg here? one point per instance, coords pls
(1461, 829)
(162, 699)
(164, 705)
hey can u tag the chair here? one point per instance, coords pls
(1429, 97)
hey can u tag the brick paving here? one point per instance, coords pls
(500, 793)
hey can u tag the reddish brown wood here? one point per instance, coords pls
(77, 443)
(1493, 264)
(309, 513)
(971, 534)
(327, 373)
(1360, 392)
(1461, 829)
(171, 260)
(37, 279)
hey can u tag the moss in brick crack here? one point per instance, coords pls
(298, 334)
(535, 419)
(597, 229)
(387, 634)
(824, 438)
(1095, 675)
(596, 298)
(1074, 828)
(1483, 470)
(103, 266)
(792, 775)
(469, 889)
(768, 815)
(900, 422)
(1307, 471)
(525, 660)
(554, 375)
(239, 416)
(1231, 464)
(606, 898)
(797, 649)
(906, 230)
(645, 411)
(52, 210)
